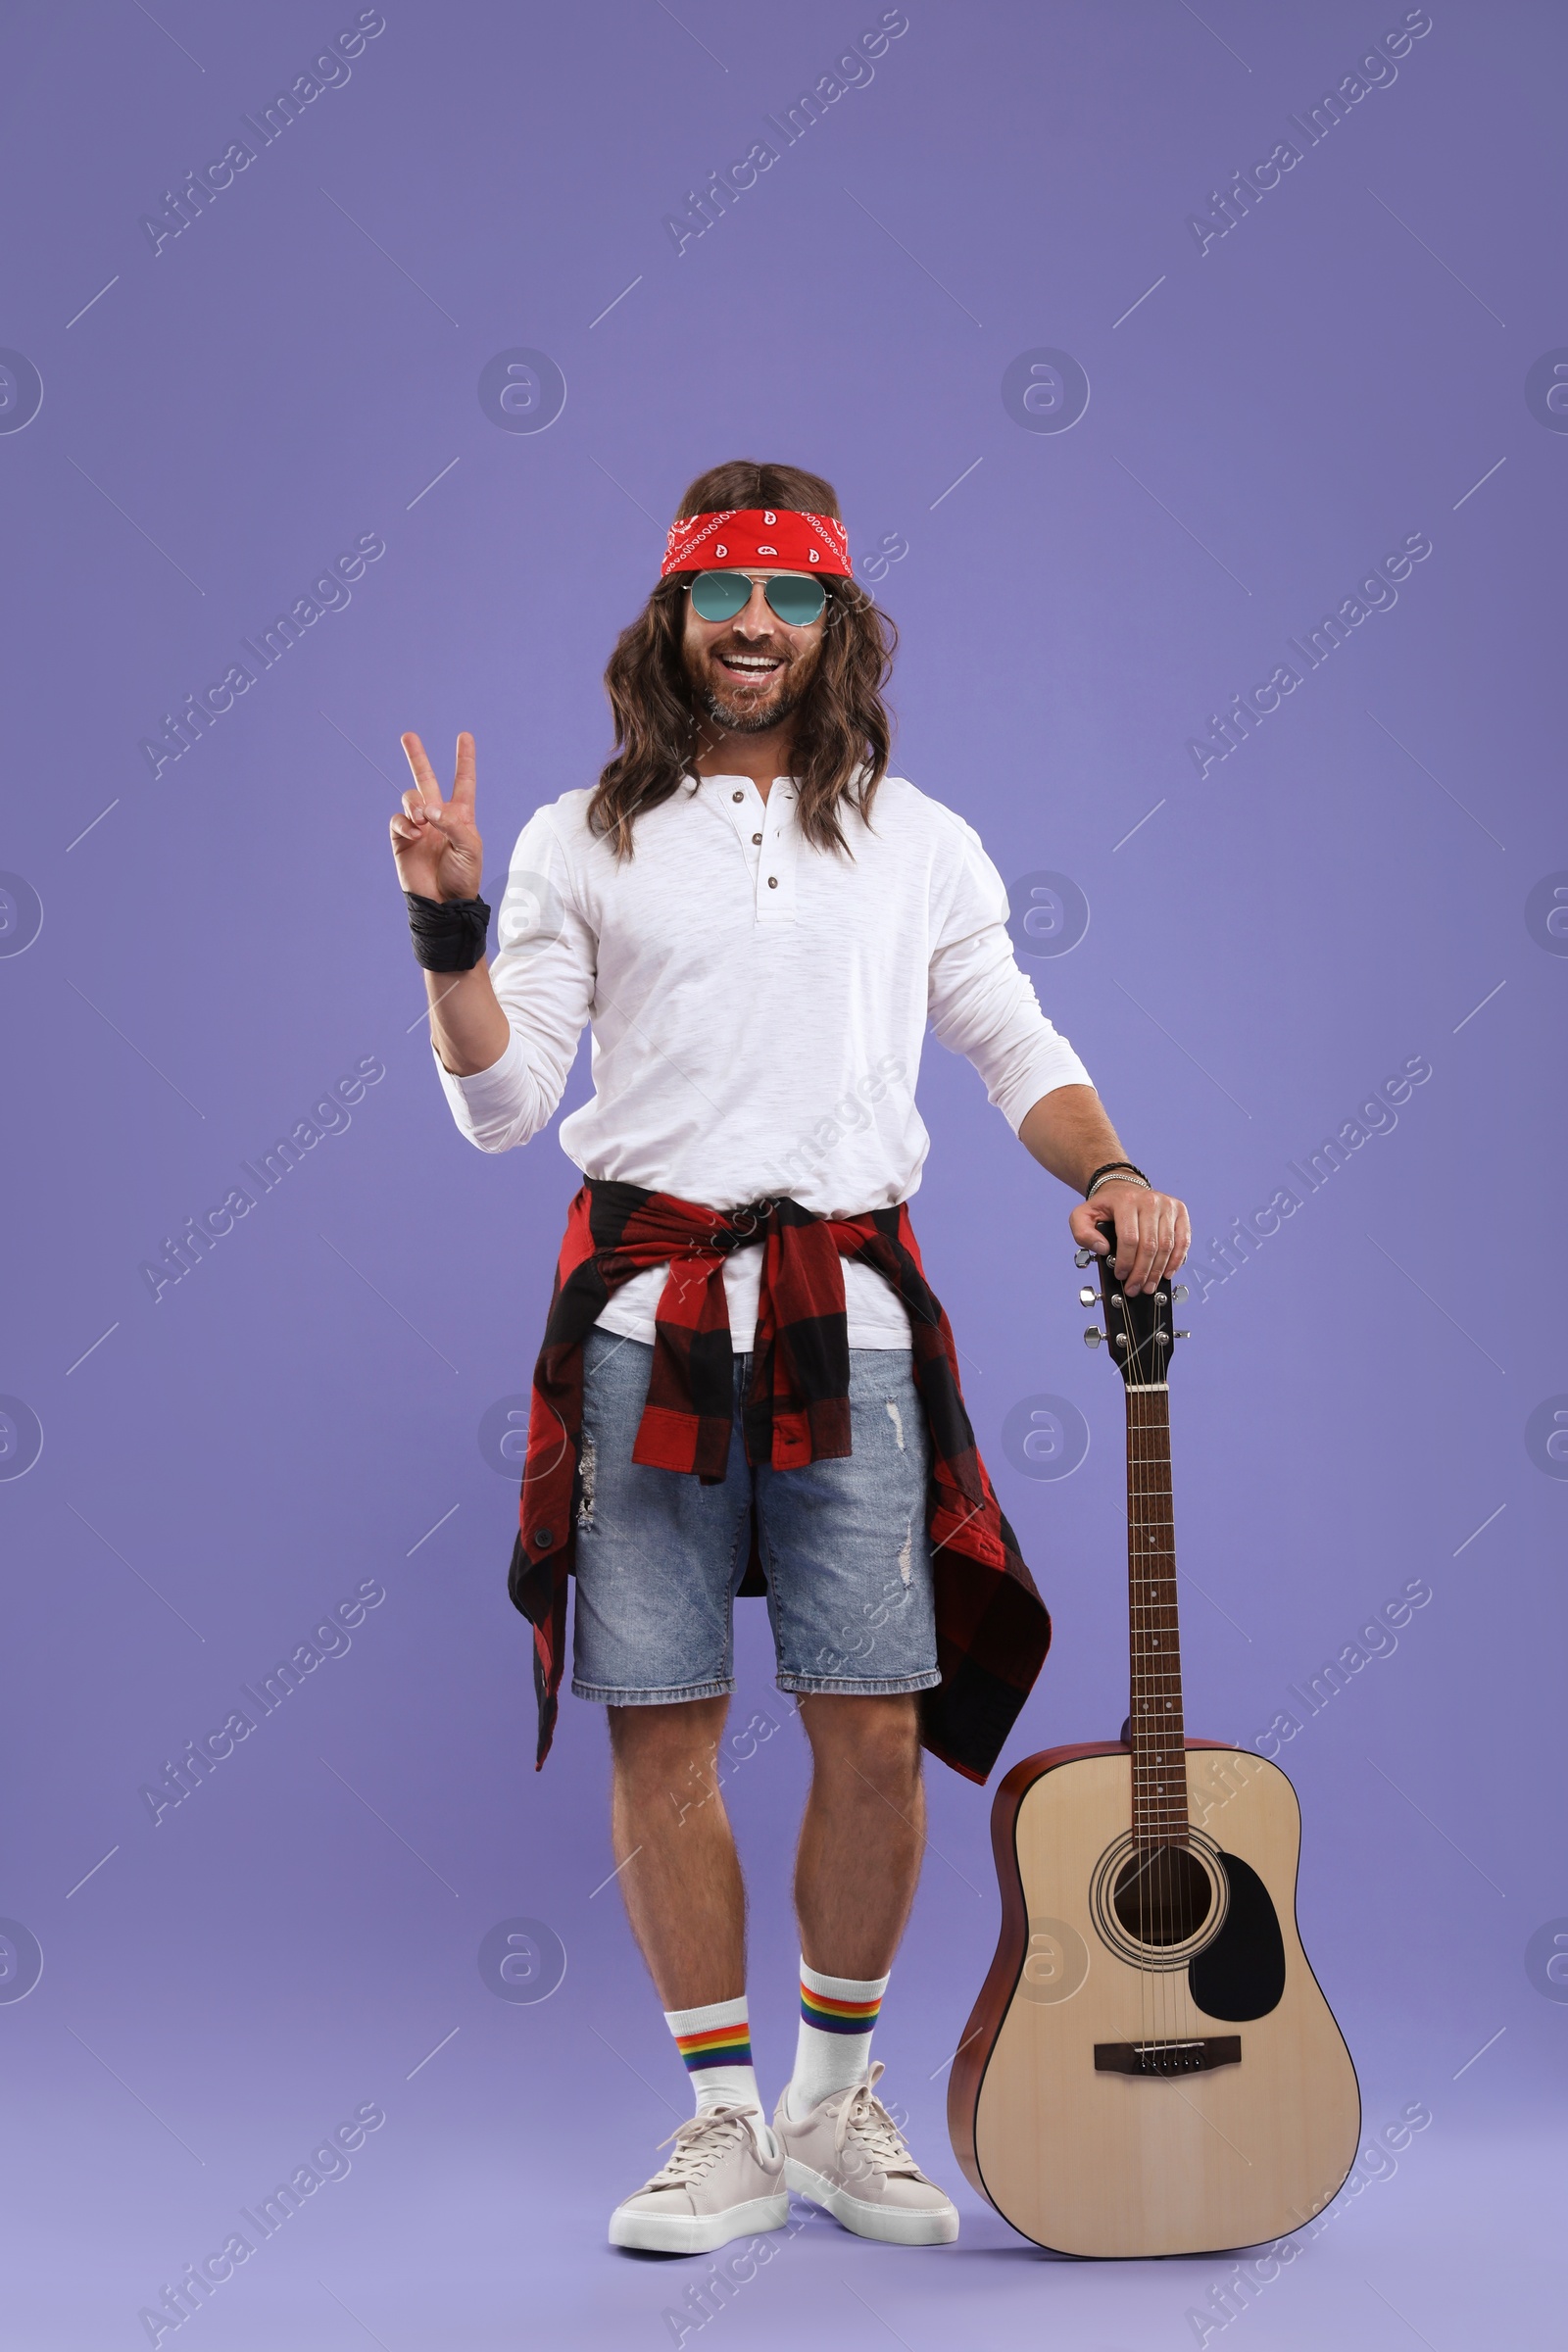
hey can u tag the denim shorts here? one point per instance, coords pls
(843, 1545)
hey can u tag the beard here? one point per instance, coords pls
(756, 720)
(752, 717)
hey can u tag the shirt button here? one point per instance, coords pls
(757, 841)
(737, 795)
(772, 881)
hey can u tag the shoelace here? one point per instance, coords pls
(700, 2142)
(879, 2143)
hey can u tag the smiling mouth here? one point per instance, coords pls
(750, 670)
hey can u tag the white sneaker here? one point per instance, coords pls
(720, 2182)
(848, 2154)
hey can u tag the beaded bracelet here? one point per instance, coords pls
(1116, 1171)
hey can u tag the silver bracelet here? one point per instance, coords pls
(1118, 1176)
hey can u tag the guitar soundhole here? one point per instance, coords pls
(1162, 1895)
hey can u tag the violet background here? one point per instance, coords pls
(301, 1413)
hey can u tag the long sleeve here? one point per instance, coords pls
(980, 1004)
(543, 973)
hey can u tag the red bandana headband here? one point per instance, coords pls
(747, 537)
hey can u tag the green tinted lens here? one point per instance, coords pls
(720, 595)
(797, 599)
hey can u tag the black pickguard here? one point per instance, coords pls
(1241, 1974)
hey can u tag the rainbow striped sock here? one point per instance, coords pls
(834, 2047)
(715, 2044)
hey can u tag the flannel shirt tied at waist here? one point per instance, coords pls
(993, 1628)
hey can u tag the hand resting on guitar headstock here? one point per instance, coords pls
(1138, 1326)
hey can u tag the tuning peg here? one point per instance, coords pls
(1178, 1290)
(1182, 1334)
(1088, 1297)
(1093, 1336)
(1083, 1257)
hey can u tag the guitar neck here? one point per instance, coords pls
(1159, 1736)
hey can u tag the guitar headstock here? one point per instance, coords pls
(1138, 1331)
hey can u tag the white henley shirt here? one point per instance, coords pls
(758, 1007)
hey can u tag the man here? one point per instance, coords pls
(746, 1384)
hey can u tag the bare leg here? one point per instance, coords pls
(680, 1876)
(863, 1834)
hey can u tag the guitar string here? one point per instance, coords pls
(1150, 1856)
(1135, 1662)
(1181, 1989)
(1154, 1804)
(1152, 1811)
(1137, 1727)
(1174, 1853)
(1150, 1868)
(1146, 1848)
(1163, 1888)
(1187, 2021)
(1143, 1866)
(1138, 1706)
(1160, 1871)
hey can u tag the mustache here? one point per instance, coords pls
(766, 651)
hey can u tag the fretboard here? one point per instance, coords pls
(1159, 1756)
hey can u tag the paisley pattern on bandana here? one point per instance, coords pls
(742, 536)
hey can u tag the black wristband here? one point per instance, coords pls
(449, 934)
(1110, 1168)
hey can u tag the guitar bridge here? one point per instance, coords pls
(1165, 2058)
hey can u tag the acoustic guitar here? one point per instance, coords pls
(1150, 2067)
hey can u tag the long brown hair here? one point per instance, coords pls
(843, 732)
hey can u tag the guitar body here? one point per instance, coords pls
(1109, 2107)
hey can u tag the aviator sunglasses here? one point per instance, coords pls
(795, 597)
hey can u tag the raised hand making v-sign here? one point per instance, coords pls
(440, 856)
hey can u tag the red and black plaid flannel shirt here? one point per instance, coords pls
(992, 1630)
